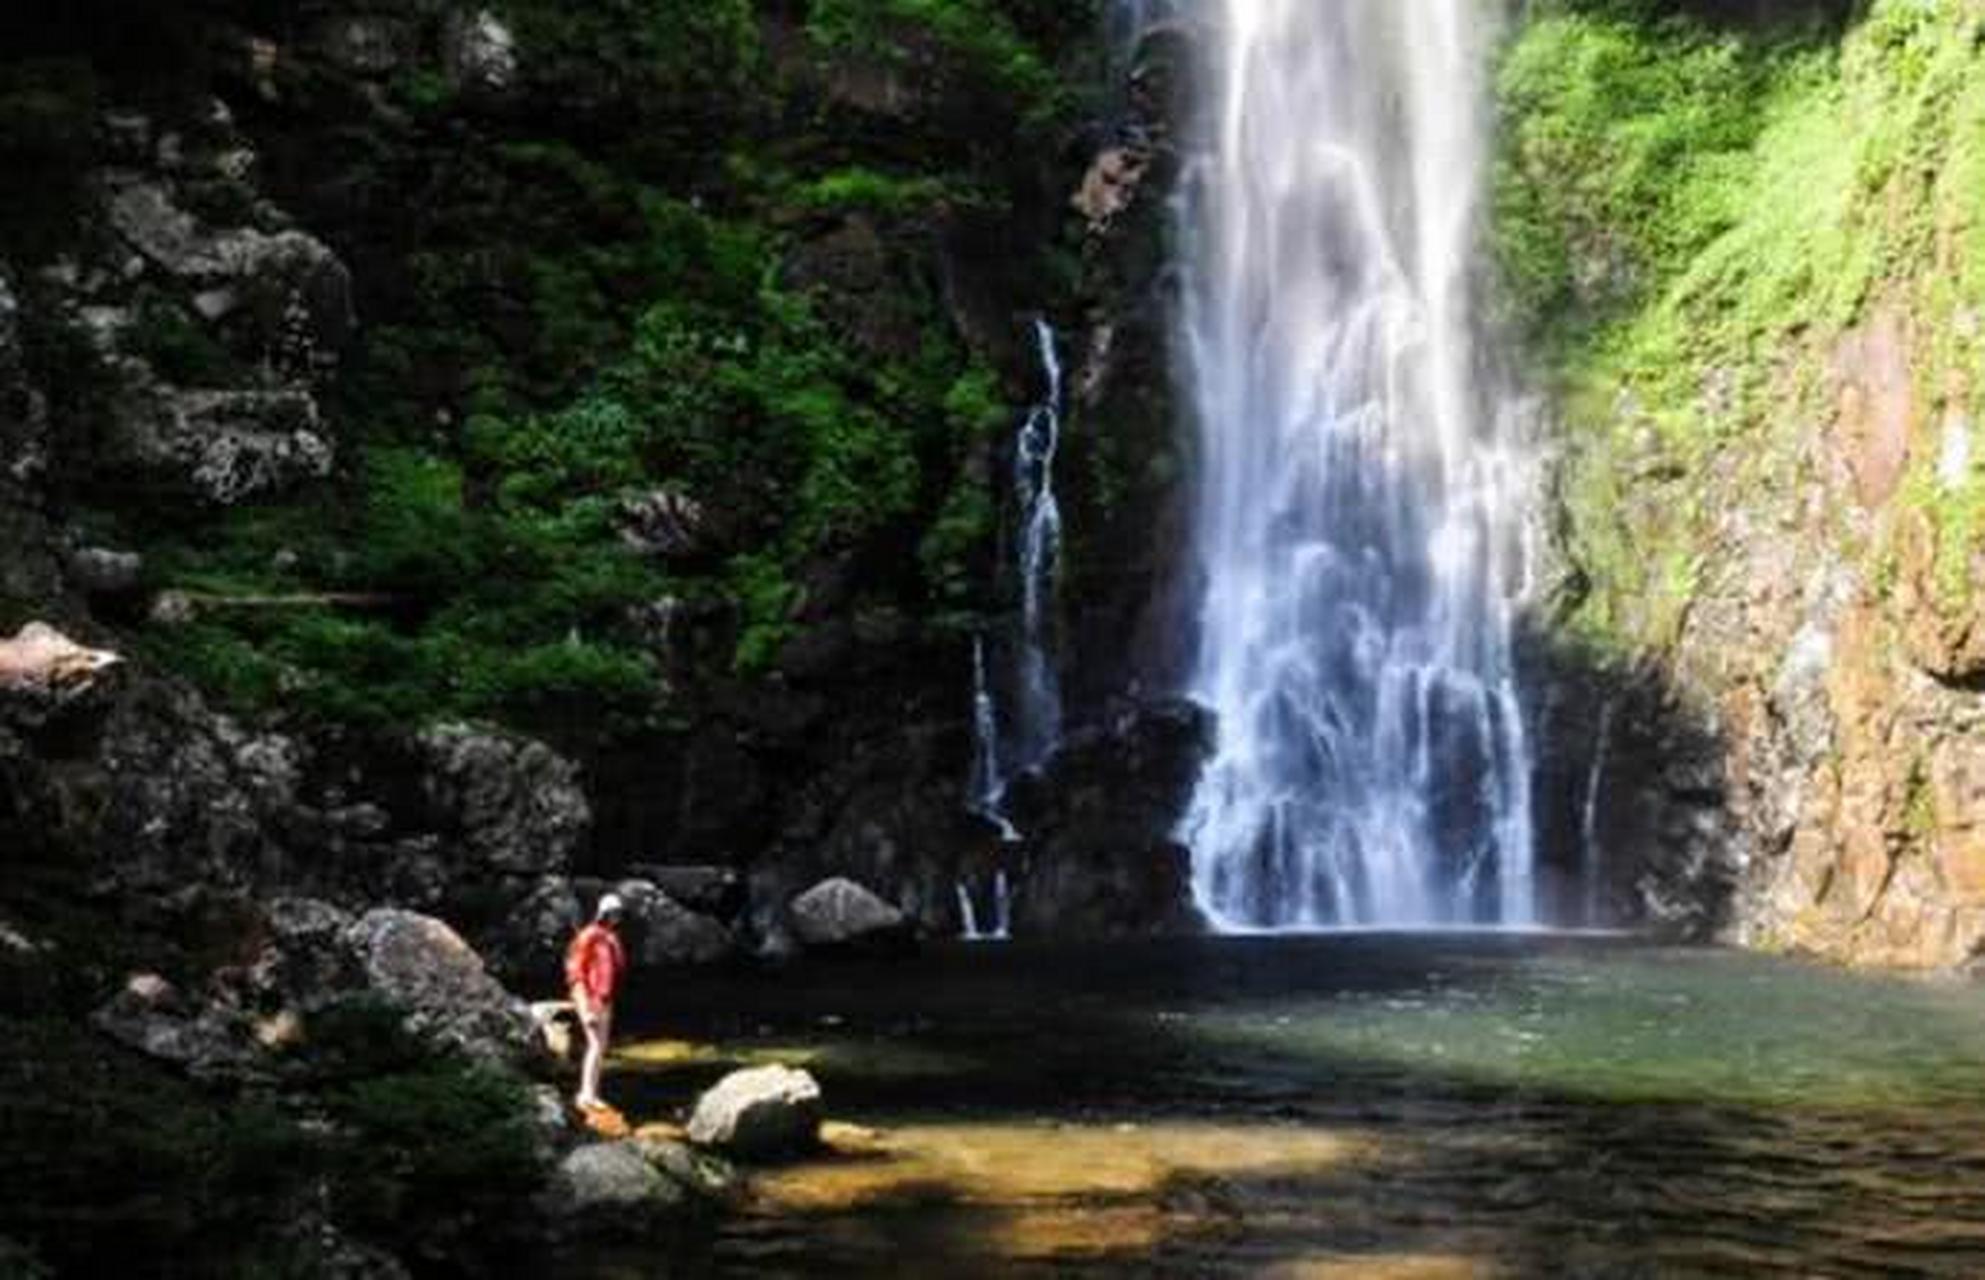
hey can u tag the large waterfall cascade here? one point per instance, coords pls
(1361, 477)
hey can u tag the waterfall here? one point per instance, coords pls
(1034, 724)
(968, 915)
(1037, 719)
(1588, 826)
(1002, 913)
(988, 783)
(1360, 477)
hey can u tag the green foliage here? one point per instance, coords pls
(765, 600)
(1626, 144)
(870, 190)
(107, 1158)
(430, 1154)
(603, 304)
(962, 529)
(1693, 218)
(977, 35)
(683, 64)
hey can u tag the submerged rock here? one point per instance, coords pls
(700, 1172)
(841, 913)
(759, 1113)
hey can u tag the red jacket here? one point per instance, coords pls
(594, 962)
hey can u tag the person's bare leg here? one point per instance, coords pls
(589, 1067)
(603, 1029)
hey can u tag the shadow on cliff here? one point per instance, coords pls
(1630, 803)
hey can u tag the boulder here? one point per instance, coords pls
(556, 1023)
(219, 446)
(759, 1113)
(528, 944)
(366, 44)
(551, 1121)
(713, 891)
(699, 1172)
(479, 53)
(40, 659)
(450, 1000)
(100, 571)
(661, 932)
(306, 956)
(208, 1042)
(667, 524)
(840, 913)
(1110, 185)
(609, 1189)
(293, 289)
(514, 804)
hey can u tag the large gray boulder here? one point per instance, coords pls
(449, 998)
(527, 945)
(513, 804)
(610, 1189)
(838, 913)
(759, 1113)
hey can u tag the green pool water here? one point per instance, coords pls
(1361, 1105)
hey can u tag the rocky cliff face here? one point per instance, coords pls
(518, 457)
(515, 452)
(1768, 358)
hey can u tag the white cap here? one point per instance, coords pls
(609, 905)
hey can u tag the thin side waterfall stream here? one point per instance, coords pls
(1360, 486)
(1033, 729)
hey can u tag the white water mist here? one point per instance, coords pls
(1360, 479)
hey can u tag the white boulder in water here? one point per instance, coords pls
(759, 1112)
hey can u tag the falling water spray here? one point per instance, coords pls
(1361, 477)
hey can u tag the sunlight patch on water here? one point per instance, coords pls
(870, 1059)
(1383, 1266)
(1037, 1164)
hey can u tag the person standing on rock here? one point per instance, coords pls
(593, 966)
